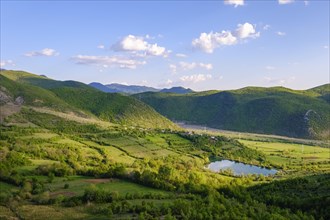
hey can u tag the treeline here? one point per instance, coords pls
(223, 147)
(310, 193)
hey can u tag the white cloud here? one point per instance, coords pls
(101, 46)
(185, 66)
(266, 27)
(276, 81)
(108, 61)
(306, 3)
(246, 30)
(173, 68)
(195, 78)
(168, 82)
(209, 42)
(284, 2)
(48, 52)
(181, 55)
(156, 50)
(207, 66)
(280, 33)
(326, 47)
(4, 63)
(137, 44)
(131, 43)
(234, 2)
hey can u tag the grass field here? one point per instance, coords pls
(7, 188)
(78, 184)
(292, 155)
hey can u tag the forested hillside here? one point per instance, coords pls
(80, 98)
(275, 110)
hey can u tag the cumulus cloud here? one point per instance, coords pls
(236, 3)
(207, 42)
(101, 46)
(4, 63)
(137, 44)
(284, 2)
(246, 30)
(195, 78)
(280, 33)
(108, 61)
(184, 66)
(48, 52)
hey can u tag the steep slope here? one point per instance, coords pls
(75, 96)
(274, 110)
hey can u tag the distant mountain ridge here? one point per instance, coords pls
(177, 90)
(134, 89)
(119, 88)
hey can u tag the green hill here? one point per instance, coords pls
(77, 97)
(322, 91)
(275, 110)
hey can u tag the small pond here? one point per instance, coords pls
(239, 168)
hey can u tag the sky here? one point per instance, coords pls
(203, 45)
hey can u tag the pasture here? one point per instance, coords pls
(292, 155)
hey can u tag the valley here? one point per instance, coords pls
(62, 158)
(164, 110)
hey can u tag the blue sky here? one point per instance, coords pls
(198, 44)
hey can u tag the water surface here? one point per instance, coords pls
(239, 168)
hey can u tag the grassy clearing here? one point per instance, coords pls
(74, 117)
(251, 136)
(78, 184)
(7, 188)
(69, 142)
(41, 136)
(43, 162)
(123, 187)
(291, 154)
(116, 155)
(36, 212)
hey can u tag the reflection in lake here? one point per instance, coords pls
(239, 168)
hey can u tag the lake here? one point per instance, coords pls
(239, 168)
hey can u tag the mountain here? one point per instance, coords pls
(177, 90)
(76, 97)
(134, 89)
(119, 88)
(275, 110)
